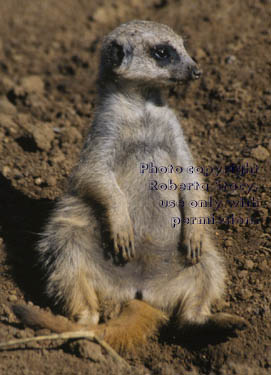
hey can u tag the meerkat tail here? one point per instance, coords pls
(132, 327)
(37, 318)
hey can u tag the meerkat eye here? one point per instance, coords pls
(161, 53)
(164, 54)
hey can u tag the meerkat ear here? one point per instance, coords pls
(114, 54)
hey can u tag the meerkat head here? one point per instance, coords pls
(146, 52)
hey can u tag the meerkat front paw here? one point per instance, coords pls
(122, 235)
(193, 244)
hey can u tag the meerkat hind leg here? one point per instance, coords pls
(81, 303)
(70, 236)
(218, 322)
(201, 289)
(227, 322)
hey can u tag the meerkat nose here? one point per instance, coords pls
(195, 72)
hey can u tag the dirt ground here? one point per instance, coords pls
(48, 67)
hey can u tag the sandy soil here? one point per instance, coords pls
(48, 66)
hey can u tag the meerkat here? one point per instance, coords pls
(108, 236)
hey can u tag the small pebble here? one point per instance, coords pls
(249, 265)
(8, 124)
(32, 84)
(7, 83)
(245, 294)
(43, 134)
(230, 59)
(58, 158)
(243, 273)
(6, 107)
(260, 153)
(5, 171)
(263, 266)
(228, 242)
(38, 181)
(12, 298)
(86, 349)
(51, 180)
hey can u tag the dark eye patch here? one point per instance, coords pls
(164, 54)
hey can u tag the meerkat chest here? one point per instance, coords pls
(147, 125)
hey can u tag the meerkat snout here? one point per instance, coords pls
(187, 70)
(195, 72)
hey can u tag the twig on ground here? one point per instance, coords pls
(66, 336)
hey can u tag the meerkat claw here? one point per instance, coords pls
(124, 245)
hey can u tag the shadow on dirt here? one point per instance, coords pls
(195, 338)
(21, 220)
